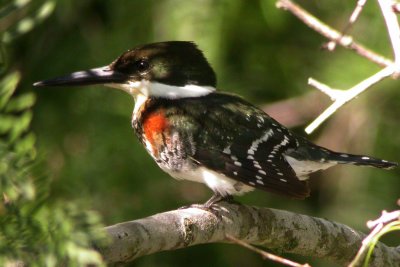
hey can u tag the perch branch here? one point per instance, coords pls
(274, 229)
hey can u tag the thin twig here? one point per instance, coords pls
(364, 246)
(393, 28)
(331, 34)
(377, 225)
(396, 7)
(386, 217)
(341, 97)
(349, 95)
(266, 255)
(334, 94)
(331, 45)
(356, 13)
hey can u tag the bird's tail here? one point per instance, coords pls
(344, 158)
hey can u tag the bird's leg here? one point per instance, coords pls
(218, 198)
(212, 201)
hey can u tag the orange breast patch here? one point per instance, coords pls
(153, 126)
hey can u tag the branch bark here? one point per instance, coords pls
(279, 230)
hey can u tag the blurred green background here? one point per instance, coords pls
(86, 145)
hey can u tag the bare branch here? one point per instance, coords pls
(270, 228)
(378, 226)
(350, 94)
(334, 94)
(385, 218)
(341, 97)
(266, 255)
(331, 34)
(393, 27)
(356, 13)
(331, 45)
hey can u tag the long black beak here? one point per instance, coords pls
(103, 75)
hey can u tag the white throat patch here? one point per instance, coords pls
(175, 92)
(142, 90)
(155, 89)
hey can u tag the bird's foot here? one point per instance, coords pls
(216, 198)
(210, 205)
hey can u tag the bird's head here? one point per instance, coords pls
(173, 69)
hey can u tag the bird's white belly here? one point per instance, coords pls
(218, 182)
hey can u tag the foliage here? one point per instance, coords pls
(34, 230)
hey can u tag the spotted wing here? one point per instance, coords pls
(245, 144)
(264, 168)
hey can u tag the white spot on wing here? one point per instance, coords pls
(262, 172)
(254, 146)
(227, 150)
(256, 164)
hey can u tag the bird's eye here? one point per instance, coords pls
(142, 65)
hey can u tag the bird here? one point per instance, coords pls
(196, 133)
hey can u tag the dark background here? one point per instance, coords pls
(87, 146)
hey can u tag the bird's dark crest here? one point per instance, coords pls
(175, 63)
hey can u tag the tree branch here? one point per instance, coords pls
(390, 68)
(331, 34)
(341, 97)
(331, 45)
(392, 25)
(274, 229)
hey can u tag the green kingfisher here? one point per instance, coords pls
(196, 133)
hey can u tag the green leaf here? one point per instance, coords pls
(26, 145)
(14, 6)
(20, 103)
(7, 123)
(28, 23)
(7, 87)
(21, 124)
